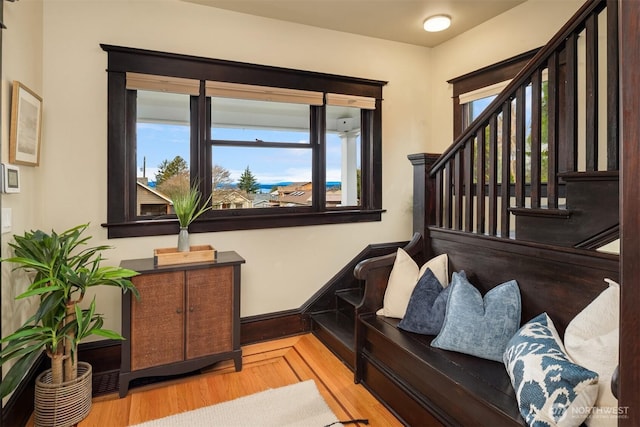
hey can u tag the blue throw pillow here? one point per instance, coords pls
(479, 326)
(427, 305)
(551, 390)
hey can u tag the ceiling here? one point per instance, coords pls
(396, 20)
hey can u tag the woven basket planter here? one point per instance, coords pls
(63, 405)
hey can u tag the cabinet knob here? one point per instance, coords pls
(178, 310)
(191, 309)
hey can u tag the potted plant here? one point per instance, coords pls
(187, 207)
(62, 271)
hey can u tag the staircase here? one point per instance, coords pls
(552, 135)
(333, 309)
(539, 164)
(591, 209)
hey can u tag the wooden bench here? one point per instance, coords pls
(423, 385)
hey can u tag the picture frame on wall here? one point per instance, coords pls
(26, 125)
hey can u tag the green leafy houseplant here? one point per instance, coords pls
(62, 272)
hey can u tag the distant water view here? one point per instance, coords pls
(266, 188)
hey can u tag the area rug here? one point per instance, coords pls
(298, 404)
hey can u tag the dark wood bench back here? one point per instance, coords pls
(559, 281)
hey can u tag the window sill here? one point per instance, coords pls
(230, 223)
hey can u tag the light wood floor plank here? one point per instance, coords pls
(265, 365)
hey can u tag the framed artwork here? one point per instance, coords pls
(26, 124)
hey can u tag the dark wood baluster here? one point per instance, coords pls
(468, 186)
(536, 136)
(552, 132)
(521, 108)
(591, 132)
(613, 86)
(448, 204)
(570, 146)
(459, 170)
(505, 194)
(439, 198)
(480, 171)
(493, 175)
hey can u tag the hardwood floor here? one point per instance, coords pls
(266, 365)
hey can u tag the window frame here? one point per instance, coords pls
(122, 220)
(482, 78)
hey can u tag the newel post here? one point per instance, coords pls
(424, 196)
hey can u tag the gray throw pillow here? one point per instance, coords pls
(480, 326)
(427, 306)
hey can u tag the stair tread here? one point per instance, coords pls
(338, 325)
(542, 211)
(353, 296)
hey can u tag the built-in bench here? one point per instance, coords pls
(425, 385)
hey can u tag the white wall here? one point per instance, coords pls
(284, 266)
(22, 61)
(525, 27)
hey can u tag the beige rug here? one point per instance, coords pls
(295, 405)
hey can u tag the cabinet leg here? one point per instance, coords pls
(123, 387)
(237, 361)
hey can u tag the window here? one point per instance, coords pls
(272, 147)
(474, 91)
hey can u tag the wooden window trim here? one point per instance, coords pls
(121, 168)
(483, 77)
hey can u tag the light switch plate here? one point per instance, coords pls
(6, 220)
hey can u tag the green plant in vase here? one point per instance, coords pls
(62, 271)
(187, 207)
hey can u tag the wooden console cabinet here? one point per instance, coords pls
(188, 317)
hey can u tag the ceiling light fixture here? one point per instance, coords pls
(437, 23)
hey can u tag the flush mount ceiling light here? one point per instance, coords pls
(437, 23)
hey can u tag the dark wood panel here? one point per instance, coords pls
(274, 325)
(560, 282)
(629, 393)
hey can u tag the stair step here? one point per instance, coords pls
(353, 296)
(336, 331)
(338, 325)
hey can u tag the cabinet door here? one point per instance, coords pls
(209, 311)
(157, 320)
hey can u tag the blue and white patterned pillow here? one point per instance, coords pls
(550, 388)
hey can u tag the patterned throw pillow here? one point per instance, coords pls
(551, 390)
(476, 325)
(428, 303)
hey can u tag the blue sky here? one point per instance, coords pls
(158, 142)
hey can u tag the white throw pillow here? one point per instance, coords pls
(404, 277)
(591, 340)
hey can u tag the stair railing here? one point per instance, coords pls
(559, 115)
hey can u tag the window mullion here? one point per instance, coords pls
(200, 155)
(207, 171)
(366, 167)
(319, 157)
(131, 108)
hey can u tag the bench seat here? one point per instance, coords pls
(457, 389)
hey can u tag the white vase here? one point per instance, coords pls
(183, 240)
